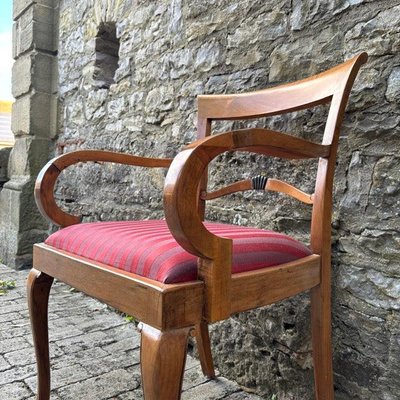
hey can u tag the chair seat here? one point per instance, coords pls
(147, 248)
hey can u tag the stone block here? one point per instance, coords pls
(35, 28)
(367, 35)
(32, 114)
(28, 155)
(21, 6)
(21, 116)
(9, 199)
(393, 86)
(15, 390)
(21, 224)
(21, 75)
(37, 13)
(209, 55)
(33, 71)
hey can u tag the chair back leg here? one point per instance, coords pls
(38, 288)
(321, 342)
(204, 349)
(163, 357)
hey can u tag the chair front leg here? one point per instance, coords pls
(163, 356)
(38, 288)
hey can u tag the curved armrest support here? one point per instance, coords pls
(181, 196)
(45, 182)
(183, 178)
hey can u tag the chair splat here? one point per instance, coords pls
(259, 182)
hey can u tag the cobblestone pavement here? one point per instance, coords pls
(95, 352)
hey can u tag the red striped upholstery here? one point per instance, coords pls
(147, 248)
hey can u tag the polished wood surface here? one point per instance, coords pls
(273, 185)
(307, 93)
(38, 289)
(172, 312)
(235, 187)
(276, 185)
(204, 348)
(180, 195)
(264, 286)
(164, 306)
(162, 359)
(46, 180)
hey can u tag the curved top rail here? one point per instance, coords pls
(305, 93)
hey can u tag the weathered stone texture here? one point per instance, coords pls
(33, 125)
(171, 51)
(94, 352)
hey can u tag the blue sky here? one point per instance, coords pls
(5, 49)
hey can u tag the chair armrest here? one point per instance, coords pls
(45, 182)
(181, 191)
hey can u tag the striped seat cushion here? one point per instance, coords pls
(147, 248)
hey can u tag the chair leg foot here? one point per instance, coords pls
(162, 357)
(204, 349)
(322, 343)
(38, 289)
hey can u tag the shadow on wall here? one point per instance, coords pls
(4, 156)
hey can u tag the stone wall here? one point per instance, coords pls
(171, 51)
(33, 124)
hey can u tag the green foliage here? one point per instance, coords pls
(129, 318)
(5, 286)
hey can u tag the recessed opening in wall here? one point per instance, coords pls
(106, 56)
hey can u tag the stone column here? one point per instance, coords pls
(34, 86)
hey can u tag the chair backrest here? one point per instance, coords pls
(332, 86)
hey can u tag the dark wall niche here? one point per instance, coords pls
(106, 56)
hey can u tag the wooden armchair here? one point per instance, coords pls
(148, 269)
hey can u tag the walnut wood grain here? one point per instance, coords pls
(162, 361)
(277, 185)
(235, 187)
(204, 349)
(306, 93)
(181, 191)
(269, 285)
(274, 185)
(262, 141)
(38, 289)
(164, 306)
(180, 204)
(46, 180)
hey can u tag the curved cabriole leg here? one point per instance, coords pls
(162, 357)
(321, 341)
(38, 287)
(204, 349)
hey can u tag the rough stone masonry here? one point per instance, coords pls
(128, 76)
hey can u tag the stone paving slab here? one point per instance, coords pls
(94, 351)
